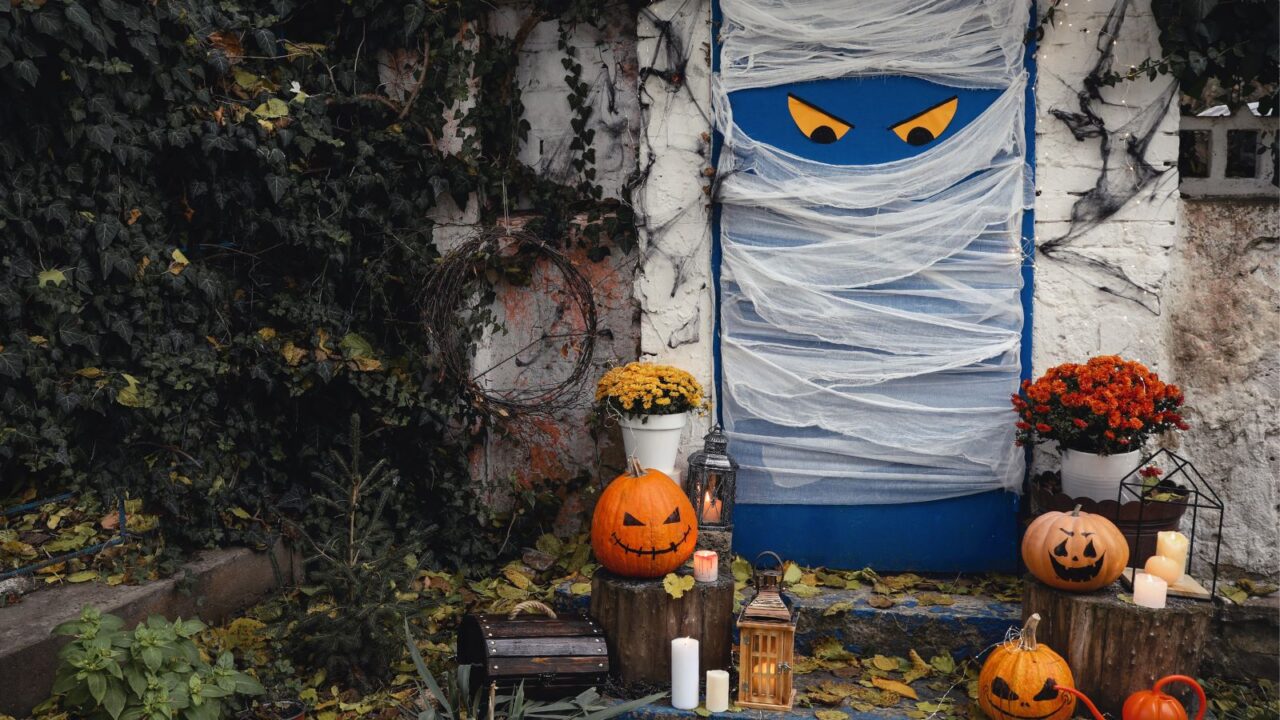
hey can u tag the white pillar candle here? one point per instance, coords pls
(706, 565)
(1173, 545)
(684, 673)
(717, 690)
(1149, 591)
(1164, 568)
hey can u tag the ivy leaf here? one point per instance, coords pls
(101, 135)
(276, 185)
(677, 585)
(27, 70)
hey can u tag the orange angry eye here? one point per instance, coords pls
(925, 127)
(818, 125)
(629, 519)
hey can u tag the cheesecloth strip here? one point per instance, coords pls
(870, 315)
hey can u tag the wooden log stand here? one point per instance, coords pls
(1116, 648)
(640, 619)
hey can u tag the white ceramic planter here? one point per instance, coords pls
(654, 440)
(1094, 476)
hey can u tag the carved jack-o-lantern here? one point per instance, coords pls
(643, 526)
(1076, 551)
(1020, 680)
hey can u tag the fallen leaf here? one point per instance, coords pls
(54, 276)
(179, 263)
(943, 663)
(1233, 593)
(839, 607)
(83, 576)
(241, 513)
(900, 688)
(130, 395)
(919, 668)
(271, 109)
(89, 372)
(831, 715)
(793, 574)
(677, 585)
(292, 353)
(880, 662)
(932, 598)
(134, 214)
(881, 602)
(580, 588)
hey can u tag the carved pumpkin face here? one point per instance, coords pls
(1020, 680)
(1074, 551)
(643, 526)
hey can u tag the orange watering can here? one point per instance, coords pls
(1150, 704)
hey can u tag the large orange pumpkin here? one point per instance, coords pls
(644, 526)
(1020, 680)
(1076, 551)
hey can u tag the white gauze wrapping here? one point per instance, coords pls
(870, 343)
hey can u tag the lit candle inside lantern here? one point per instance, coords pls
(1164, 568)
(1173, 545)
(710, 508)
(706, 565)
(717, 690)
(1149, 591)
(684, 673)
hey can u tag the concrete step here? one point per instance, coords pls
(222, 582)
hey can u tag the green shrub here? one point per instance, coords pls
(153, 672)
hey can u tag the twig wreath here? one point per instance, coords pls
(458, 297)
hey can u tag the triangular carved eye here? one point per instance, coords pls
(629, 519)
(674, 517)
(1061, 549)
(1090, 551)
(1001, 689)
(1048, 692)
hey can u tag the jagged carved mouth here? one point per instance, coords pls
(1055, 711)
(1077, 574)
(653, 552)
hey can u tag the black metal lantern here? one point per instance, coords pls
(712, 482)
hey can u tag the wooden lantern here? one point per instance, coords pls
(766, 644)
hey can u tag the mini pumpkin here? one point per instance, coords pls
(643, 525)
(1076, 551)
(1020, 680)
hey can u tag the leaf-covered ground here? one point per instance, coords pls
(59, 528)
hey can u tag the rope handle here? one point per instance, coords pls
(531, 605)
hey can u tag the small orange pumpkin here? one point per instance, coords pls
(1076, 551)
(1020, 680)
(643, 525)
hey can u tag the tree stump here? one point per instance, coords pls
(1116, 648)
(640, 620)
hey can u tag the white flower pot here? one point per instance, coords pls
(654, 440)
(1097, 477)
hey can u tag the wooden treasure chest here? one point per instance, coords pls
(554, 657)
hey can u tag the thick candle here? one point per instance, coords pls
(717, 690)
(684, 673)
(1149, 591)
(1173, 545)
(1164, 568)
(706, 566)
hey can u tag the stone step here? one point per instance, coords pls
(962, 629)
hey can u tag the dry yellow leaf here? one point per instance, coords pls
(900, 688)
(292, 353)
(267, 333)
(179, 263)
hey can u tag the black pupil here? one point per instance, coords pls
(919, 136)
(1001, 689)
(1048, 692)
(674, 517)
(628, 519)
(823, 134)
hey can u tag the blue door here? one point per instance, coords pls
(873, 276)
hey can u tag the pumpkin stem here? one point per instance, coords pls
(1076, 512)
(633, 466)
(1027, 640)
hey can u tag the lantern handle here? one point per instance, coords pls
(756, 565)
(1188, 681)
